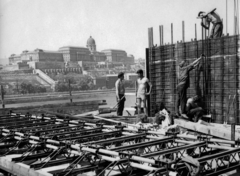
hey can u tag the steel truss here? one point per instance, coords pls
(44, 142)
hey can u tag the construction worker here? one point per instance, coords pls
(214, 18)
(120, 93)
(194, 110)
(184, 83)
(141, 91)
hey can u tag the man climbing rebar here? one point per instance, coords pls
(214, 18)
(184, 83)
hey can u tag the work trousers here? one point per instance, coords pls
(195, 114)
(216, 30)
(120, 105)
(181, 98)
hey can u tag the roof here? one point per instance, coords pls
(15, 55)
(48, 51)
(91, 41)
(98, 53)
(77, 47)
(113, 50)
(39, 51)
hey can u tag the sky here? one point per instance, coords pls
(114, 24)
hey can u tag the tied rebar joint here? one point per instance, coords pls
(99, 124)
(81, 122)
(204, 138)
(142, 130)
(67, 120)
(120, 126)
(172, 132)
(237, 142)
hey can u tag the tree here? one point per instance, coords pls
(29, 88)
(61, 87)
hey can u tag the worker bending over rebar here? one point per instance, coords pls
(141, 91)
(214, 18)
(184, 83)
(194, 110)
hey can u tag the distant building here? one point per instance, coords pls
(39, 55)
(75, 54)
(72, 56)
(95, 55)
(131, 76)
(91, 44)
(114, 55)
(13, 59)
(107, 81)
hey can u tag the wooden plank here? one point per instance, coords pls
(88, 114)
(207, 128)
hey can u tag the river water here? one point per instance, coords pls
(109, 97)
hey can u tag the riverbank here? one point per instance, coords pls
(54, 96)
(64, 108)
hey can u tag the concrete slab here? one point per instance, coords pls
(47, 169)
(42, 173)
(23, 169)
(210, 130)
(33, 172)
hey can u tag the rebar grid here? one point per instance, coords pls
(218, 75)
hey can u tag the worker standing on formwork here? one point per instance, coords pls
(215, 19)
(141, 91)
(120, 93)
(184, 84)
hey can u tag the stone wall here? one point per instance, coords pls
(50, 65)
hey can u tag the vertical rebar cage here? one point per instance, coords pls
(218, 75)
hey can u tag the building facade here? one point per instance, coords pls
(14, 59)
(39, 55)
(75, 54)
(72, 54)
(119, 56)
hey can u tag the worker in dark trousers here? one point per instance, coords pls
(184, 83)
(214, 18)
(120, 93)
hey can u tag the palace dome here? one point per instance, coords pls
(90, 41)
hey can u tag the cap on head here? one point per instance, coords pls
(201, 14)
(121, 74)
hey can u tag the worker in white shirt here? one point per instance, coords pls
(141, 91)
